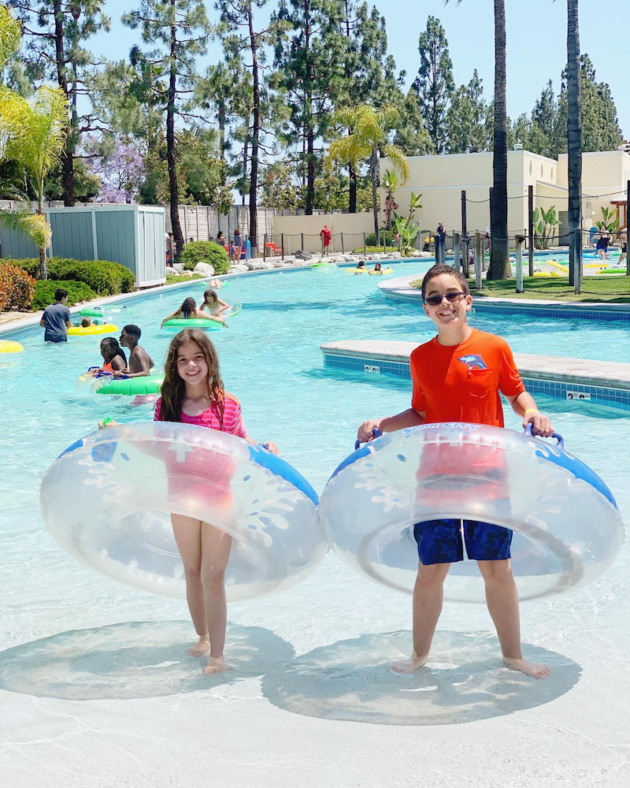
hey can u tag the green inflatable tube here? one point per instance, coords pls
(323, 266)
(91, 311)
(193, 322)
(612, 271)
(233, 310)
(148, 384)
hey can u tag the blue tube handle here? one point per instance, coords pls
(556, 435)
(375, 432)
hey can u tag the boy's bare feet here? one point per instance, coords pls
(410, 665)
(529, 668)
(216, 665)
(201, 647)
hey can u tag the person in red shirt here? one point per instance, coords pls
(457, 376)
(326, 237)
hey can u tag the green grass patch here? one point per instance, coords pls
(597, 289)
(173, 279)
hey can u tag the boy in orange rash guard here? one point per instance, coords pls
(457, 376)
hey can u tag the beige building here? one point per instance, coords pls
(441, 179)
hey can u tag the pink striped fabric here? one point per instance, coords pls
(232, 417)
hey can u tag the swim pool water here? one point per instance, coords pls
(271, 360)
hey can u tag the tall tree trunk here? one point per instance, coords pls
(574, 137)
(171, 158)
(222, 123)
(308, 106)
(67, 156)
(253, 181)
(245, 160)
(352, 191)
(374, 178)
(499, 250)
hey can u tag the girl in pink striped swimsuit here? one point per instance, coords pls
(193, 393)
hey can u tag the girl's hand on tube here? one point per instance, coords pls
(272, 447)
(541, 424)
(365, 432)
(107, 422)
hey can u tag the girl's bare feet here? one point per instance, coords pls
(201, 647)
(529, 668)
(410, 665)
(216, 665)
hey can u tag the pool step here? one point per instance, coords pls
(598, 382)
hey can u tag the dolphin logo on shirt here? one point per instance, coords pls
(473, 362)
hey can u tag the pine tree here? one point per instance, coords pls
(176, 33)
(434, 85)
(55, 32)
(243, 40)
(466, 118)
(600, 126)
(309, 70)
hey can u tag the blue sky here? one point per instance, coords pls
(536, 42)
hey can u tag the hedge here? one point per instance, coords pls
(205, 252)
(45, 292)
(384, 236)
(102, 276)
(16, 288)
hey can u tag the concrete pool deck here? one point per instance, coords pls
(604, 382)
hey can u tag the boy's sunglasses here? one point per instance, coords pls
(436, 300)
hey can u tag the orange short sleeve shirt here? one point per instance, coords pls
(462, 382)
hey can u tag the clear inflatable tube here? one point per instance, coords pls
(567, 527)
(107, 499)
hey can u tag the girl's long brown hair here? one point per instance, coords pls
(174, 388)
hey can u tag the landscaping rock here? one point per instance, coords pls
(239, 268)
(205, 269)
(179, 267)
(171, 271)
(302, 255)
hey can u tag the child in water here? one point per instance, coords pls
(188, 311)
(193, 393)
(114, 359)
(457, 377)
(213, 303)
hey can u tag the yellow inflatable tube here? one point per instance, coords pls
(10, 347)
(382, 271)
(80, 331)
(563, 268)
(549, 274)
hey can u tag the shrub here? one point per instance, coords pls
(45, 292)
(102, 276)
(16, 288)
(205, 252)
(384, 236)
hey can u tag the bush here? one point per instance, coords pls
(205, 252)
(384, 236)
(102, 276)
(45, 292)
(16, 288)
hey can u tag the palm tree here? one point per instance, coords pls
(499, 251)
(370, 128)
(391, 184)
(10, 34)
(574, 142)
(32, 133)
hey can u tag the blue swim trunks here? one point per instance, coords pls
(440, 541)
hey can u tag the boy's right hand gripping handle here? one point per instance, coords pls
(529, 431)
(376, 433)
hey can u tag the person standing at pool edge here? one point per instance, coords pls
(326, 237)
(457, 376)
(56, 318)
